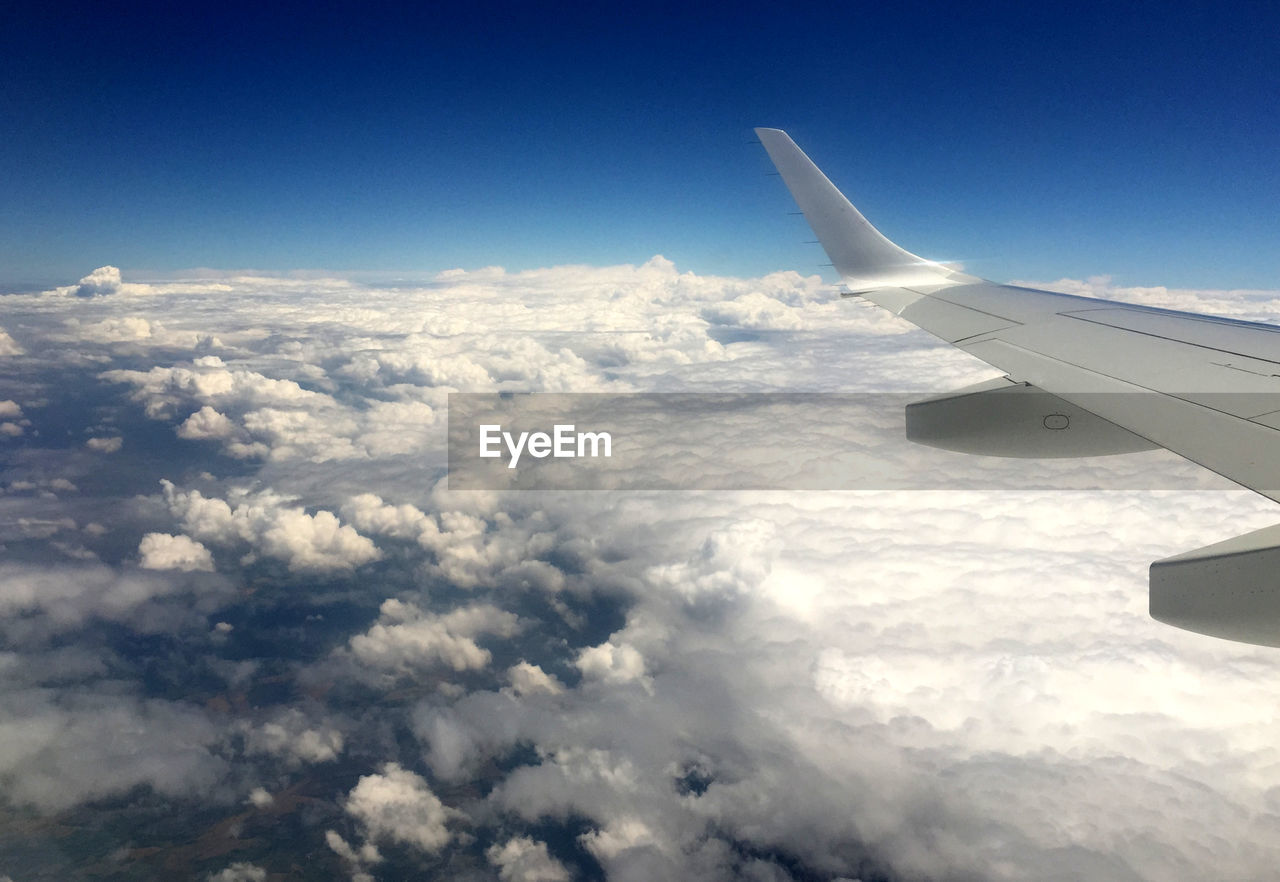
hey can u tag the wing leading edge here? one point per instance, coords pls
(1203, 387)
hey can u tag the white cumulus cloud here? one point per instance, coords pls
(528, 679)
(307, 542)
(406, 638)
(240, 871)
(291, 736)
(206, 423)
(397, 805)
(162, 551)
(8, 346)
(102, 281)
(105, 445)
(522, 859)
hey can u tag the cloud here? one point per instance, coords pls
(8, 346)
(405, 638)
(952, 689)
(611, 663)
(59, 751)
(619, 836)
(754, 311)
(292, 737)
(397, 805)
(678, 685)
(527, 679)
(105, 445)
(127, 329)
(522, 859)
(368, 512)
(162, 551)
(733, 561)
(204, 424)
(261, 417)
(99, 283)
(206, 379)
(466, 549)
(240, 871)
(307, 542)
(66, 596)
(315, 542)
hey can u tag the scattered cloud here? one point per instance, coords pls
(8, 346)
(161, 551)
(522, 859)
(527, 679)
(405, 638)
(72, 747)
(206, 423)
(397, 805)
(65, 596)
(307, 542)
(365, 855)
(291, 736)
(611, 663)
(240, 872)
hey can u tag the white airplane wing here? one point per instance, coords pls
(1086, 377)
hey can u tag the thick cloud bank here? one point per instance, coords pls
(246, 626)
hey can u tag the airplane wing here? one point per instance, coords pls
(1086, 377)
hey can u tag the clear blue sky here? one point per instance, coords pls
(1025, 139)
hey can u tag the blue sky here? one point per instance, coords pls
(1027, 142)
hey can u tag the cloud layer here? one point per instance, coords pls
(238, 592)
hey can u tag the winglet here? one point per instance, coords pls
(859, 252)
